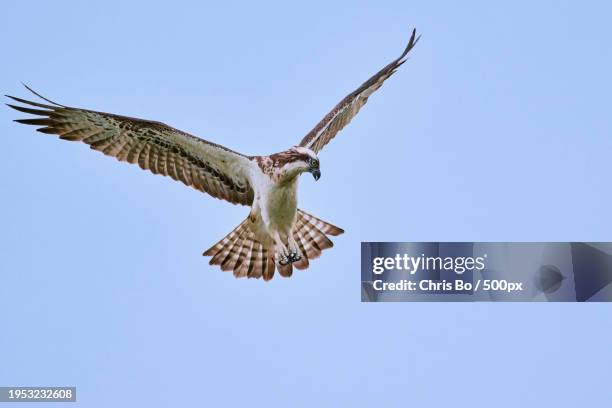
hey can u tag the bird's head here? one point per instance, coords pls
(295, 161)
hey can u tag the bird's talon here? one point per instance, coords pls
(294, 257)
(283, 260)
(290, 258)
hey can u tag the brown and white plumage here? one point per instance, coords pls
(345, 111)
(276, 236)
(154, 146)
(241, 253)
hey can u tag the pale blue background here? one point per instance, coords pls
(498, 128)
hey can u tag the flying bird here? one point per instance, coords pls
(276, 235)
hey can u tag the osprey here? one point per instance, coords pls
(276, 235)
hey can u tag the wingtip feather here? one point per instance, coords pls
(29, 110)
(42, 97)
(47, 130)
(40, 105)
(411, 43)
(36, 121)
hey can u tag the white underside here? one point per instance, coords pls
(275, 208)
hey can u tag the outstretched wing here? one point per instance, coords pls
(154, 146)
(342, 113)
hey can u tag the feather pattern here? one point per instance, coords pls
(154, 146)
(345, 111)
(242, 253)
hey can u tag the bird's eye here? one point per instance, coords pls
(313, 162)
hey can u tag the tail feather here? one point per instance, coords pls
(241, 253)
(285, 270)
(325, 227)
(234, 252)
(226, 259)
(214, 250)
(317, 239)
(242, 250)
(270, 266)
(242, 266)
(262, 263)
(256, 268)
(302, 237)
(303, 263)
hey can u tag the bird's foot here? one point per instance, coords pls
(287, 257)
(283, 260)
(294, 257)
(294, 253)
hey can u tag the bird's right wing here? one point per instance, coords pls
(154, 146)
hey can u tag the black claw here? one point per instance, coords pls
(294, 257)
(289, 258)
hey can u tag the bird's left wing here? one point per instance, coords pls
(344, 112)
(154, 146)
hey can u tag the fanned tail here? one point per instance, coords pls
(241, 253)
(310, 233)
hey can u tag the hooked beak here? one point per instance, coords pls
(316, 173)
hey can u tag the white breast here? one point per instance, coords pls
(274, 203)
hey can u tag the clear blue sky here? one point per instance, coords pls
(498, 128)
